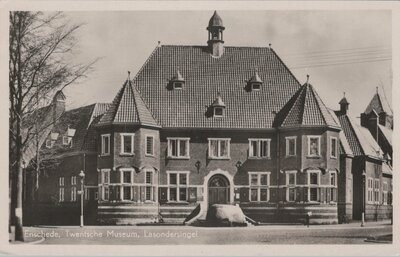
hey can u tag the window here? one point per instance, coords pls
(178, 148)
(49, 143)
(218, 111)
(259, 186)
(149, 186)
(177, 186)
(259, 148)
(127, 143)
(291, 185)
(219, 148)
(255, 86)
(290, 146)
(178, 85)
(127, 177)
(73, 180)
(314, 146)
(150, 145)
(313, 185)
(385, 193)
(127, 181)
(370, 189)
(106, 177)
(333, 184)
(61, 181)
(106, 193)
(65, 140)
(376, 190)
(105, 144)
(73, 194)
(61, 195)
(333, 147)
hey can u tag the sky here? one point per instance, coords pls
(342, 51)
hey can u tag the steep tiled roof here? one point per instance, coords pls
(379, 104)
(205, 76)
(128, 107)
(305, 108)
(359, 138)
(344, 101)
(387, 133)
(387, 169)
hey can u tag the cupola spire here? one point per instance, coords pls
(344, 104)
(215, 35)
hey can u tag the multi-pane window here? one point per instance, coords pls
(314, 146)
(259, 148)
(61, 181)
(385, 193)
(105, 144)
(178, 147)
(65, 140)
(218, 148)
(61, 195)
(313, 186)
(177, 186)
(127, 143)
(105, 180)
(150, 145)
(73, 180)
(370, 190)
(290, 186)
(290, 146)
(376, 190)
(218, 111)
(334, 146)
(333, 184)
(127, 180)
(73, 194)
(178, 85)
(259, 183)
(149, 186)
(106, 177)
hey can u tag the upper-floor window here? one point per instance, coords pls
(291, 185)
(255, 86)
(259, 183)
(61, 195)
(73, 180)
(61, 181)
(127, 143)
(65, 140)
(290, 146)
(127, 176)
(178, 148)
(219, 148)
(259, 148)
(150, 145)
(334, 146)
(314, 145)
(105, 178)
(218, 111)
(105, 144)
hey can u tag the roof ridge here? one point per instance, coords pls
(145, 62)
(319, 103)
(284, 65)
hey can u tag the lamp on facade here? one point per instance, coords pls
(198, 165)
(82, 176)
(238, 164)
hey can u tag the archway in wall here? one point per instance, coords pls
(218, 190)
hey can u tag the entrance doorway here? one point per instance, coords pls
(218, 190)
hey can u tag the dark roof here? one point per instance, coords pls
(359, 138)
(128, 107)
(344, 101)
(205, 76)
(256, 78)
(215, 21)
(218, 102)
(379, 105)
(178, 76)
(81, 120)
(305, 109)
(387, 133)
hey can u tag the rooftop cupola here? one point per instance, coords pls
(344, 104)
(177, 81)
(215, 35)
(255, 82)
(218, 106)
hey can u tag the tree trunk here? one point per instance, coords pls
(19, 233)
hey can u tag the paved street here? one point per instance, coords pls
(272, 234)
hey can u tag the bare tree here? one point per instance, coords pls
(41, 48)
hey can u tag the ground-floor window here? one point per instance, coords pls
(313, 185)
(61, 195)
(333, 188)
(376, 190)
(73, 194)
(259, 186)
(370, 189)
(178, 186)
(385, 193)
(106, 193)
(127, 193)
(149, 186)
(291, 185)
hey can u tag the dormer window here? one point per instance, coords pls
(48, 143)
(218, 107)
(65, 140)
(255, 82)
(177, 81)
(218, 111)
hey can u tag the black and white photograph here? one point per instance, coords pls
(199, 126)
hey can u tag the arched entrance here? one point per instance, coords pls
(218, 190)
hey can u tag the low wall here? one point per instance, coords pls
(378, 212)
